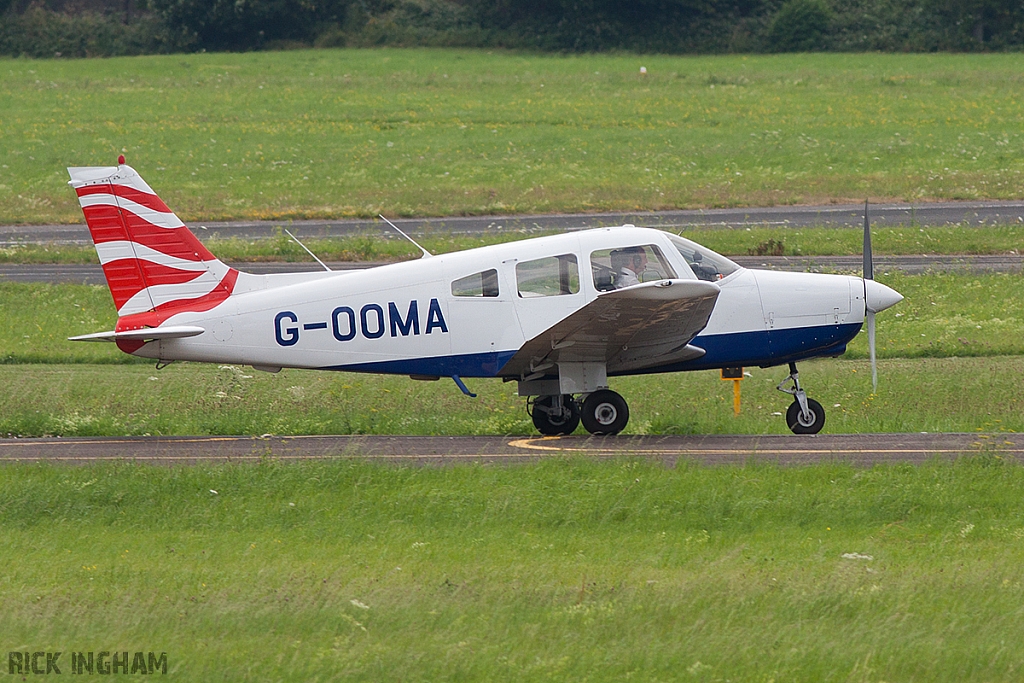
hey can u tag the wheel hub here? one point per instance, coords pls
(606, 414)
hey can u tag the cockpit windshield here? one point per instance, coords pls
(706, 264)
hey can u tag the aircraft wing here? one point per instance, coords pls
(628, 329)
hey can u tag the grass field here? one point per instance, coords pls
(963, 395)
(332, 133)
(564, 570)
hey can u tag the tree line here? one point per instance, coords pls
(81, 28)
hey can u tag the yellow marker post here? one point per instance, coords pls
(735, 375)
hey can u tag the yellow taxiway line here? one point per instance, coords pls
(530, 444)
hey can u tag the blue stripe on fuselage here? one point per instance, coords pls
(799, 343)
(464, 365)
(762, 348)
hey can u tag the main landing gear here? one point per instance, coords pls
(805, 415)
(554, 415)
(602, 412)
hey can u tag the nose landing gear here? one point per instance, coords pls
(805, 415)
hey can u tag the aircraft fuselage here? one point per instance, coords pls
(405, 318)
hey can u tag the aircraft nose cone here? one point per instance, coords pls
(878, 297)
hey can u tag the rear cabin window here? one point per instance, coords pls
(625, 266)
(477, 284)
(550, 276)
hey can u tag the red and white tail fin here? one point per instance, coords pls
(154, 265)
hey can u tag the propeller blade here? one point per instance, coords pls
(871, 351)
(869, 268)
(869, 274)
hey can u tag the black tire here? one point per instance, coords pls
(795, 421)
(604, 412)
(558, 424)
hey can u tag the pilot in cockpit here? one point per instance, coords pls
(704, 271)
(628, 264)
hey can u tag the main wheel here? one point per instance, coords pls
(554, 415)
(604, 412)
(799, 424)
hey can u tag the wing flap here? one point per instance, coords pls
(627, 329)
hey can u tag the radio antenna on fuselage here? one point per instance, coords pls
(308, 251)
(399, 231)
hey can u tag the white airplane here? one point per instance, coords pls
(558, 315)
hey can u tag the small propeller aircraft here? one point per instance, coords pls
(559, 315)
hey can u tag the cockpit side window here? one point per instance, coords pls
(550, 276)
(706, 264)
(626, 266)
(483, 284)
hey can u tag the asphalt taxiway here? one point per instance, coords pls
(830, 215)
(857, 449)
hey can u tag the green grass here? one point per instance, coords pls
(898, 240)
(902, 240)
(37, 319)
(963, 395)
(333, 133)
(948, 315)
(563, 570)
(279, 247)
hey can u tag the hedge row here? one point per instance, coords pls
(668, 26)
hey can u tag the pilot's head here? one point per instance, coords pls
(634, 258)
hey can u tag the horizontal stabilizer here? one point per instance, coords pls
(147, 334)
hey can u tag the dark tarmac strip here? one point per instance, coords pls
(857, 449)
(830, 215)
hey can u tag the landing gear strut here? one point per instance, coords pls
(554, 415)
(805, 415)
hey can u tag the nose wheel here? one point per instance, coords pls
(805, 415)
(809, 422)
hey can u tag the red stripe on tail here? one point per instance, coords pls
(179, 242)
(155, 273)
(156, 317)
(109, 224)
(124, 277)
(150, 201)
(106, 224)
(107, 194)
